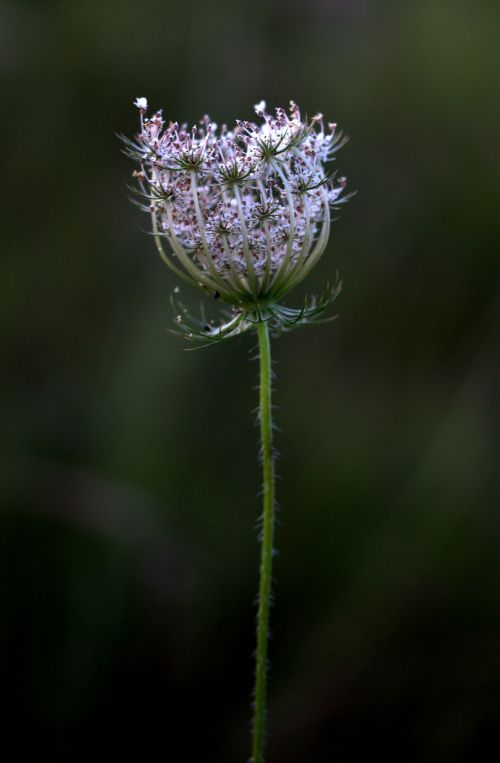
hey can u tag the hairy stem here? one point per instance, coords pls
(265, 416)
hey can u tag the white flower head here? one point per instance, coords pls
(245, 212)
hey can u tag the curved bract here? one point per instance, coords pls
(243, 213)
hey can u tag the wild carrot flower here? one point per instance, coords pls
(244, 214)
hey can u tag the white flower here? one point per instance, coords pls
(260, 108)
(246, 212)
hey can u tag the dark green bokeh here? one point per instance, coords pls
(129, 470)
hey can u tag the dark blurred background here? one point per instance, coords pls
(129, 467)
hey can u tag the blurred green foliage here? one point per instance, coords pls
(129, 471)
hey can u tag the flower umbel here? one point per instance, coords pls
(245, 213)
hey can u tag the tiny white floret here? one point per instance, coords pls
(141, 103)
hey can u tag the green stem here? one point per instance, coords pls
(266, 434)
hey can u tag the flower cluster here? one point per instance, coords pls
(245, 211)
